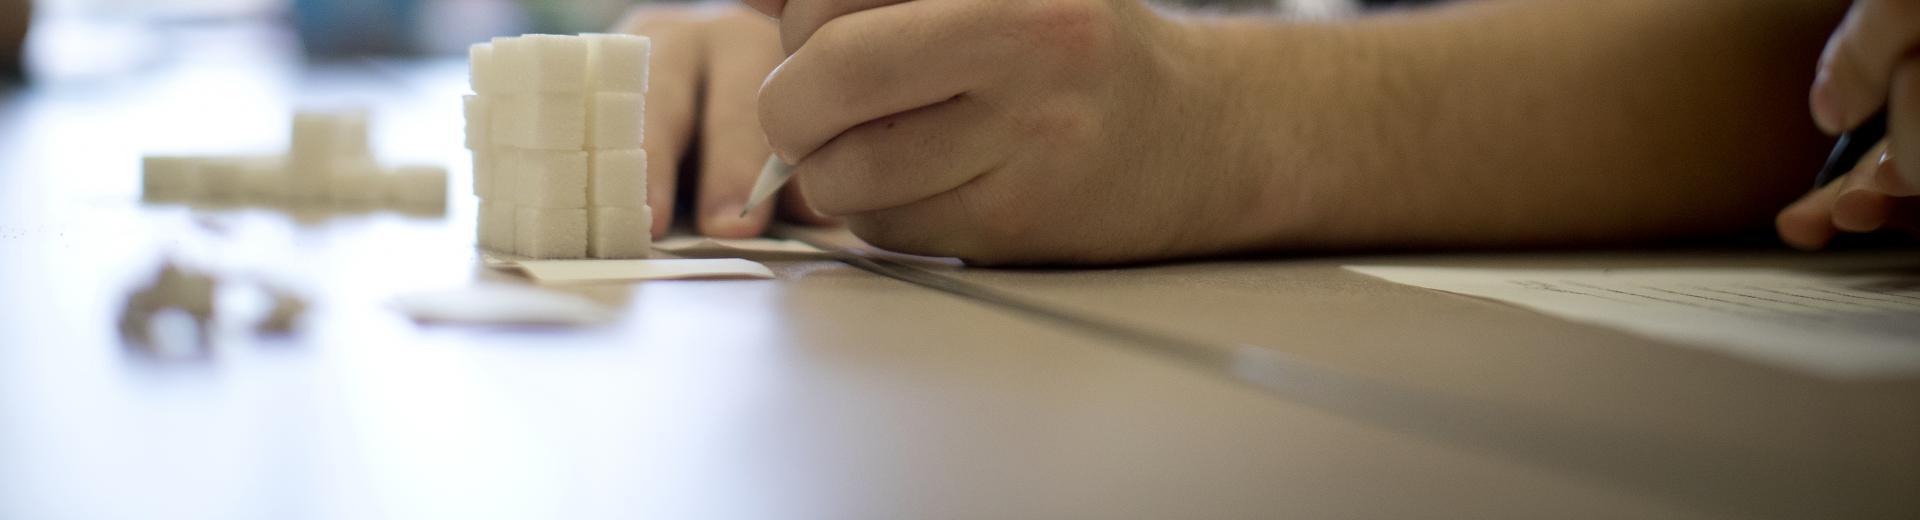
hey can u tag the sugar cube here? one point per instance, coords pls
(307, 182)
(359, 185)
(552, 122)
(617, 62)
(552, 179)
(169, 179)
(621, 233)
(512, 60)
(479, 110)
(616, 120)
(481, 74)
(509, 167)
(557, 64)
(321, 135)
(418, 189)
(222, 180)
(496, 226)
(619, 178)
(550, 233)
(509, 120)
(483, 167)
(265, 182)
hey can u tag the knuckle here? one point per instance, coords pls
(1073, 30)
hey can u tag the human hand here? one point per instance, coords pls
(1871, 63)
(708, 63)
(1870, 198)
(1060, 131)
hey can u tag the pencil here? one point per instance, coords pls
(772, 176)
(1852, 147)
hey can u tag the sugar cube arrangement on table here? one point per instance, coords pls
(329, 164)
(555, 124)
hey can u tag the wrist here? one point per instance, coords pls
(1290, 138)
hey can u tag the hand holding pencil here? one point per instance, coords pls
(1867, 91)
(708, 62)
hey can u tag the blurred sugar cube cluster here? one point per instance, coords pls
(329, 165)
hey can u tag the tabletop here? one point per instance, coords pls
(832, 391)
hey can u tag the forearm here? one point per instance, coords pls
(1506, 123)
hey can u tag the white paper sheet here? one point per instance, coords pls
(703, 246)
(590, 271)
(501, 305)
(1848, 325)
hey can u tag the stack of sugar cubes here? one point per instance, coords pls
(555, 124)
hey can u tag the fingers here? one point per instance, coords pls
(795, 208)
(1903, 120)
(1887, 178)
(904, 158)
(1856, 70)
(1808, 224)
(741, 51)
(1859, 207)
(879, 62)
(677, 49)
(933, 227)
(800, 20)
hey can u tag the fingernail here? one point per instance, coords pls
(725, 221)
(1887, 178)
(1860, 210)
(727, 212)
(1828, 113)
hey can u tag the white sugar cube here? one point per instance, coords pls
(509, 167)
(558, 63)
(550, 179)
(552, 122)
(481, 74)
(418, 189)
(550, 233)
(307, 182)
(621, 233)
(318, 136)
(484, 165)
(509, 120)
(494, 229)
(512, 59)
(222, 180)
(169, 179)
(479, 110)
(616, 120)
(496, 226)
(359, 185)
(265, 182)
(617, 62)
(619, 178)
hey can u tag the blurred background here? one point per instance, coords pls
(76, 39)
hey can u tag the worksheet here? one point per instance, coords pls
(1858, 325)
